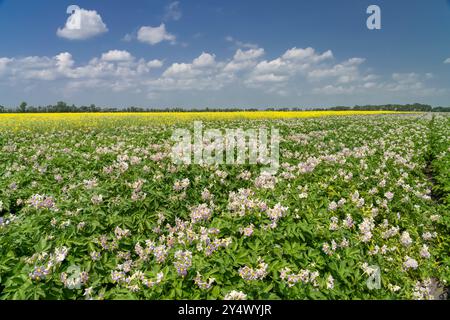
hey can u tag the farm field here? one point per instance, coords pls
(17, 121)
(93, 207)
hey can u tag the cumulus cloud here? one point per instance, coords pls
(270, 66)
(295, 71)
(179, 70)
(155, 35)
(307, 54)
(155, 63)
(345, 72)
(111, 66)
(91, 25)
(268, 77)
(202, 73)
(447, 60)
(334, 90)
(64, 61)
(117, 55)
(3, 64)
(205, 60)
(248, 54)
(291, 65)
(406, 81)
(244, 59)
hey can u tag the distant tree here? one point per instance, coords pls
(23, 107)
(441, 109)
(31, 109)
(93, 108)
(61, 106)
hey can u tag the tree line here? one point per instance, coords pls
(61, 107)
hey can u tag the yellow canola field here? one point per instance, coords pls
(16, 121)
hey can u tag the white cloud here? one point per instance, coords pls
(173, 11)
(267, 78)
(155, 35)
(307, 54)
(270, 66)
(155, 63)
(284, 76)
(406, 82)
(248, 54)
(202, 68)
(117, 55)
(345, 72)
(447, 60)
(91, 25)
(204, 60)
(179, 69)
(33, 67)
(406, 78)
(243, 60)
(64, 61)
(4, 64)
(114, 65)
(204, 72)
(334, 90)
(294, 63)
(119, 66)
(370, 85)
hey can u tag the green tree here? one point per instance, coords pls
(23, 107)
(61, 106)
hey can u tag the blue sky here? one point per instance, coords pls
(244, 53)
